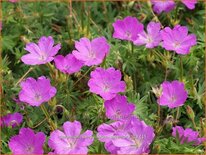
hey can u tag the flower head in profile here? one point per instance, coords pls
(131, 136)
(160, 6)
(91, 52)
(35, 92)
(106, 82)
(127, 29)
(118, 108)
(40, 53)
(27, 142)
(152, 38)
(68, 64)
(190, 4)
(12, 120)
(177, 39)
(187, 135)
(71, 141)
(173, 94)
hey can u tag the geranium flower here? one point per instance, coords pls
(13, 1)
(71, 141)
(35, 92)
(190, 4)
(42, 53)
(160, 6)
(173, 94)
(177, 39)
(12, 120)
(68, 64)
(106, 82)
(118, 108)
(108, 132)
(136, 140)
(131, 136)
(27, 142)
(152, 38)
(127, 29)
(186, 136)
(91, 52)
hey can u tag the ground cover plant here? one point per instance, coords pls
(102, 77)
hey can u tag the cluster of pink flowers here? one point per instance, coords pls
(176, 39)
(126, 134)
(160, 6)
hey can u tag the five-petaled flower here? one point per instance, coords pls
(71, 141)
(187, 135)
(160, 6)
(91, 52)
(27, 142)
(12, 120)
(35, 92)
(106, 82)
(152, 38)
(177, 39)
(68, 64)
(118, 108)
(127, 29)
(42, 53)
(173, 94)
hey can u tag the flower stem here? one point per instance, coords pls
(51, 123)
(30, 69)
(132, 47)
(181, 69)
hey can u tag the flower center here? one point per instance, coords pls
(106, 88)
(173, 99)
(37, 97)
(128, 34)
(149, 39)
(29, 149)
(92, 54)
(176, 44)
(136, 141)
(42, 57)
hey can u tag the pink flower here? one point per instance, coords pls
(71, 141)
(27, 142)
(127, 29)
(187, 135)
(136, 140)
(160, 6)
(118, 108)
(106, 82)
(13, 120)
(190, 4)
(177, 39)
(68, 64)
(173, 94)
(126, 137)
(91, 52)
(152, 38)
(108, 132)
(42, 53)
(35, 92)
(13, 1)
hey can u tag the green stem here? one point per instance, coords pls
(181, 69)
(82, 76)
(51, 123)
(181, 79)
(132, 47)
(30, 69)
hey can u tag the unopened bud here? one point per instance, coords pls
(190, 112)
